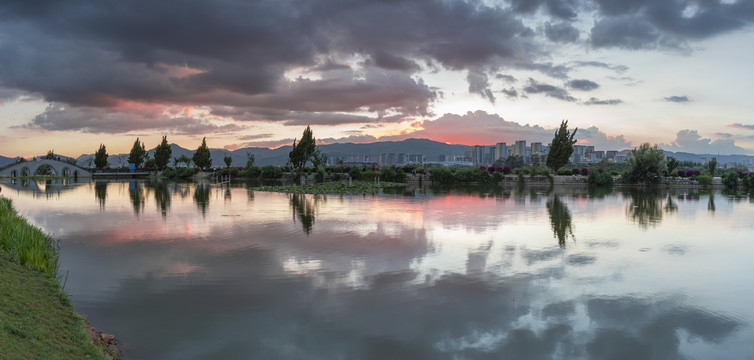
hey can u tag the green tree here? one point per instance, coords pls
(514, 161)
(303, 151)
(100, 157)
(561, 147)
(672, 164)
(647, 165)
(162, 153)
(138, 153)
(249, 161)
(318, 158)
(712, 166)
(228, 160)
(184, 159)
(202, 158)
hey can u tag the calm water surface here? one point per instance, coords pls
(189, 271)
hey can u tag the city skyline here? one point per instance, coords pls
(79, 73)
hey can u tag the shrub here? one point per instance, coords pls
(271, 172)
(690, 173)
(584, 171)
(442, 175)
(355, 173)
(600, 170)
(490, 169)
(730, 180)
(647, 164)
(506, 169)
(575, 171)
(389, 174)
(600, 179)
(704, 180)
(252, 172)
(564, 172)
(319, 176)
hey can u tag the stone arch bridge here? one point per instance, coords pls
(29, 168)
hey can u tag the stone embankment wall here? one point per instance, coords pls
(576, 180)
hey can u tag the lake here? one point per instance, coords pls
(192, 271)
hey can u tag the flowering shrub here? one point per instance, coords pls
(499, 169)
(584, 171)
(491, 169)
(506, 169)
(690, 173)
(681, 173)
(482, 167)
(575, 171)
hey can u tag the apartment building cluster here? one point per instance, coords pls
(536, 153)
(388, 159)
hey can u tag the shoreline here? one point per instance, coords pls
(39, 319)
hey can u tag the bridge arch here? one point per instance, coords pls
(30, 168)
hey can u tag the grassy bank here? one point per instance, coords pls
(37, 320)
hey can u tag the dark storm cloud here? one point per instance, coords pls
(582, 84)
(595, 101)
(561, 32)
(480, 85)
(646, 24)
(233, 53)
(677, 99)
(561, 9)
(100, 120)
(510, 92)
(506, 78)
(87, 53)
(535, 87)
(391, 62)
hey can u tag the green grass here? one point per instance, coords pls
(37, 320)
(26, 244)
(357, 187)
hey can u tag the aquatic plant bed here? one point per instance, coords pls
(357, 187)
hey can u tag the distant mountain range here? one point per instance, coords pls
(429, 148)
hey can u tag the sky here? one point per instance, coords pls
(76, 74)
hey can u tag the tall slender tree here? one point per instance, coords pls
(561, 147)
(202, 157)
(100, 157)
(138, 153)
(303, 151)
(162, 153)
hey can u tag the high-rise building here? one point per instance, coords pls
(519, 148)
(536, 148)
(502, 151)
(477, 154)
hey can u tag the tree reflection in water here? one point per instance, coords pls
(305, 209)
(201, 197)
(645, 207)
(711, 203)
(560, 219)
(161, 196)
(100, 192)
(136, 193)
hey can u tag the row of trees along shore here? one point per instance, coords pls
(647, 165)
